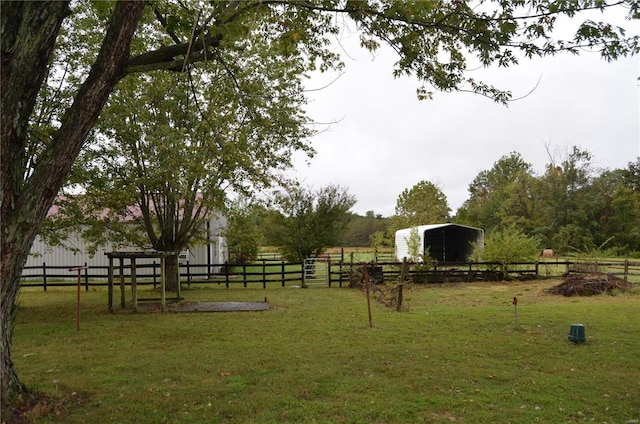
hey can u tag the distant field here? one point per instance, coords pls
(453, 355)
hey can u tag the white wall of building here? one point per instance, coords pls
(75, 252)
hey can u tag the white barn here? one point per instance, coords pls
(445, 242)
(76, 251)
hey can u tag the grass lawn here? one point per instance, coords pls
(453, 355)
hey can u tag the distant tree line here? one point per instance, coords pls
(360, 229)
(572, 207)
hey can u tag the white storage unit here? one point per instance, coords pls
(446, 242)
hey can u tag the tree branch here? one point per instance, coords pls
(171, 58)
(164, 24)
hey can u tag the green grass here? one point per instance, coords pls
(453, 354)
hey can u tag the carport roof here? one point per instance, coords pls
(423, 228)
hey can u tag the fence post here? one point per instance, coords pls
(179, 286)
(226, 273)
(264, 274)
(303, 268)
(153, 271)
(44, 276)
(122, 298)
(244, 274)
(86, 277)
(110, 283)
(329, 271)
(366, 280)
(163, 283)
(626, 269)
(282, 271)
(134, 284)
(188, 273)
(537, 264)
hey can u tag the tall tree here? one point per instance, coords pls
(424, 203)
(631, 175)
(521, 206)
(509, 176)
(566, 187)
(32, 171)
(243, 234)
(434, 41)
(624, 224)
(165, 153)
(623, 219)
(307, 222)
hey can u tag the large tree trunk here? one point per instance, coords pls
(29, 31)
(171, 265)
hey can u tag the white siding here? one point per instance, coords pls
(75, 252)
(402, 239)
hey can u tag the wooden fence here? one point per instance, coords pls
(324, 271)
(265, 271)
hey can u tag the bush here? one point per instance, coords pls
(506, 247)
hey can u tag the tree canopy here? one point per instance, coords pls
(361, 228)
(491, 188)
(169, 148)
(243, 234)
(61, 61)
(571, 207)
(507, 246)
(306, 222)
(424, 203)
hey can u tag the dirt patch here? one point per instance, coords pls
(34, 407)
(589, 284)
(204, 306)
(220, 306)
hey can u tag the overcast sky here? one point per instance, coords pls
(385, 140)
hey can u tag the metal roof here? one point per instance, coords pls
(423, 228)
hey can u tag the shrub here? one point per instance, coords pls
(507, 246)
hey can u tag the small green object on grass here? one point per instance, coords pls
(576, 333)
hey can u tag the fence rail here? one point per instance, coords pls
(263, 272)
(270, 271)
